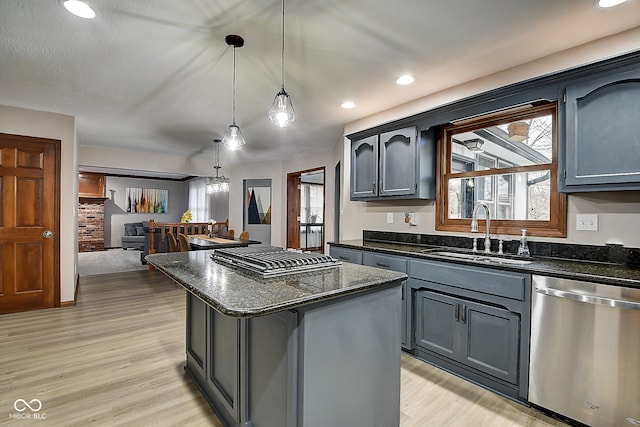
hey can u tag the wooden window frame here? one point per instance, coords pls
(557, 224)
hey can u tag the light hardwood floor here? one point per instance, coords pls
(117, 359)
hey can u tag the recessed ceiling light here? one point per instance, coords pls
(80, 8)
(610, 3)
(348, 104)
(407, 79)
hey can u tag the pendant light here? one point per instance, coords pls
(217, 184)
(281, 112)
(233, 138)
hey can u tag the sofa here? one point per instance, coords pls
(133, 237)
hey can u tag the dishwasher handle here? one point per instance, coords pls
(590, 299)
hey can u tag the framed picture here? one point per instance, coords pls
(146, 200)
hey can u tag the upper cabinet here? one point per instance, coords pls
(602, 131)
(90, 185)
(398, 164)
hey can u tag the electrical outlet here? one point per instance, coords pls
(587, 222)
(389, 217)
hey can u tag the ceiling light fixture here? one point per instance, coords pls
(233, 138)
(217, 184)
(405, 80)
(281, 112)
(610, 3)
(474, 145)
(79, 8)
(348, 105)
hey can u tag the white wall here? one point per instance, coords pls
(619, 212)
(258, 170)
(19, 121)
(115, 211)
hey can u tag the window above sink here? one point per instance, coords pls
(507, 161)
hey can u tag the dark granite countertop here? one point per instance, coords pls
(237, 293)
(591, 271)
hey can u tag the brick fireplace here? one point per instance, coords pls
(91, 224)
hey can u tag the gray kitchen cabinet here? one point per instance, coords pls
(396, 164)
(364, 168)
(395, 263)
(473, 321)
(196, 317)
(353, 256)
(263, 380)
(602, 132)
(386, 262)
(478, 335)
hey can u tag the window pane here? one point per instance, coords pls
(520, 196)
(510, 144)
(539, 196)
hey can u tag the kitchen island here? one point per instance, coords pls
(319, 348)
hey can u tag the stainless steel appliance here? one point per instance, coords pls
(585, 351)
(273, 261)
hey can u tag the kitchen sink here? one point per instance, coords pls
(477, 257)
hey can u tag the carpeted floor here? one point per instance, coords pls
(109, 261)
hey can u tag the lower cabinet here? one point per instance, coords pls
(386, 262)
(243, 360)
(395, 263)
(474, 322)
(478, 335)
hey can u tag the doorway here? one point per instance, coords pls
(29, 223)
(306, 210)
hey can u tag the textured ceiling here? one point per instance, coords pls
(156, 74)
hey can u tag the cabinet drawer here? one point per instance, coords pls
(353, 256)
(502, 283)
(387, 262)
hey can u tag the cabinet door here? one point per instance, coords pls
(364, 168)
(223, 361)
(437, 323)
(603, 132)
(490, 340)
(196, 333)
(398, 158)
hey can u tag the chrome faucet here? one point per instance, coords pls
(474, 225)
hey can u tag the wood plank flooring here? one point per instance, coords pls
(117, 359)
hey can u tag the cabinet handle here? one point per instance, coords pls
(382, 264)
(346, 258)
(463, 314)
(456, 312)
(373, 186)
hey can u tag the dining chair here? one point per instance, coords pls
(230, 234)
(244, 235)
(174, 245)
(184, 242)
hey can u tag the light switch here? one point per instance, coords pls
(587, 222)
(389, 217)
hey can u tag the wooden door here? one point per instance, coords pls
(29, 225)
(293, 210)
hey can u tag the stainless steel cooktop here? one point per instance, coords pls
(273, 261)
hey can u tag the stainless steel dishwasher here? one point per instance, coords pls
(585, 351)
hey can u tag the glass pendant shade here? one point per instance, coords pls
(281, 112)
(218, 183)
(233, 138)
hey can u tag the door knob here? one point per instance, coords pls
(47, 234)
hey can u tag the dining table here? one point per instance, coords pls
(204, 242)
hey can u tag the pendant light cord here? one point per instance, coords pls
(233, 102)
(282, 53)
